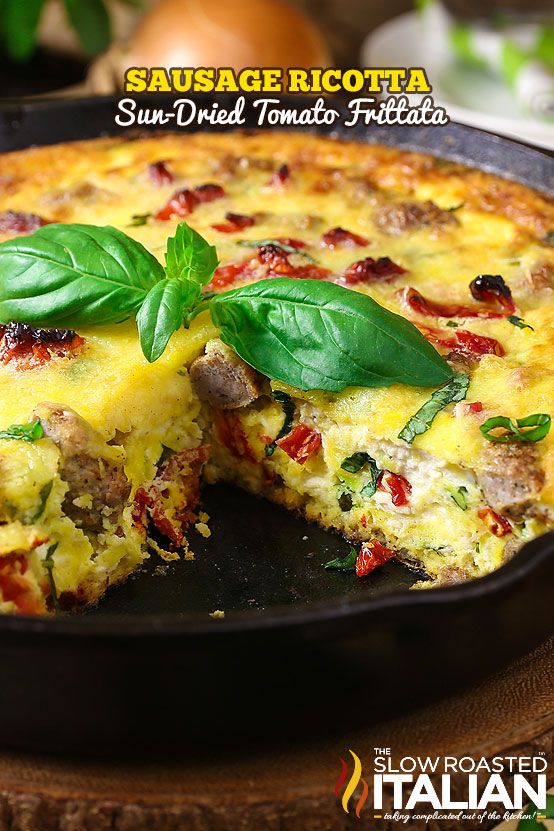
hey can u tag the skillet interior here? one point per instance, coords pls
(151, 641)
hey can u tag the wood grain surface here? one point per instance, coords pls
(285, 789)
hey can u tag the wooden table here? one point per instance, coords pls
(286, 790)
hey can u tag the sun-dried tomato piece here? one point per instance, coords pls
(226, 275)
(340, 238)
(301, 443)
(172, 515)
(230, 432)
(372, 554)
(463, 342)
(18, 222)
(183, 202)
(395, 484)
(16, 588)
(420, 304)
(369, 270)
(208, 192)
(27, 347)
(496, 523)
(234, 222)
(275, 259)
(281, 175)
(492, 288)
(160, 174)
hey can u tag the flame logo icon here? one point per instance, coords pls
(353, 782)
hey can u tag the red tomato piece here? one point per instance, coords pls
(369, 270)
(234, 222)
(395, 484)
(496, 523)
(339, 237)
(160, 174)
(301, 443)
(372, 554)
(420, 304)
(280, 176)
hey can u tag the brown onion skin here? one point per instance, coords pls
(191, 33)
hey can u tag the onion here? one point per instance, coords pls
(226, 33)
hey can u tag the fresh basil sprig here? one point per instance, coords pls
(454, 390)
(514, 429)
(317, 335)
(23, 432)
(310, 334)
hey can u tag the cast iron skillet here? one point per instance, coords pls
(300, 649)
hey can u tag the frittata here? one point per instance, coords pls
(124, 444)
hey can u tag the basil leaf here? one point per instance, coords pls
(74, 275)
(90, 20)
(459, 496)
(454, 390)
(45, 492)
(347, 563)
(19, 25)
(23, 432)
(137, 220)
(161, 315)
(318, 335)
(519, 322)
(355, 462)
(370, 487)
(288, 409)
(49, 566)
(513, 426)
(190, 257)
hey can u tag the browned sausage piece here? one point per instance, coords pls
(399, 217)
(81, 466)
(223, 379)
(511, 478)
(541, 276)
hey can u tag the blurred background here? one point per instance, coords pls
(491, 62)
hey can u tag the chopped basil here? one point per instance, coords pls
(45, 492)
(288, 249)
(454, 390)
(519, 322)
(23, 432)
(452, 324)
(138, 219)
(355, 462)
(460, 497)
(514, 428)
(345, 502)
(456, 207)
(49, 566)
(371, 486)
(287, 404)
(347, 563)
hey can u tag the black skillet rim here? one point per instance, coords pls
(525, 562)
